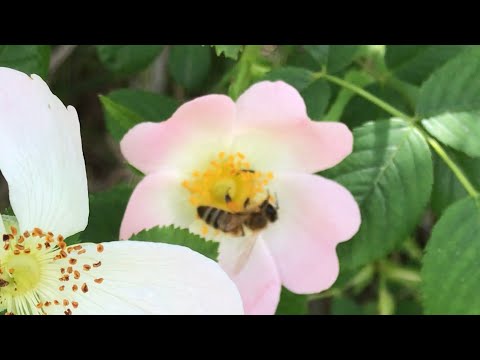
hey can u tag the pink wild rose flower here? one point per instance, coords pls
(241, 173)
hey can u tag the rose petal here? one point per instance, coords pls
(197, 130)
(159, 199)
(254, 272)
(274, 132)
(41, 156)
(314, 215)
(151, 278)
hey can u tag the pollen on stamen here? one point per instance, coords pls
(13, 230)
(75, 304)
(97, 264)
(84, 287)
(99, 248)
(19, 247)
(37, 232)
(72, 261)
(99, 280)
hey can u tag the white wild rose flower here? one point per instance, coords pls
(41, 158)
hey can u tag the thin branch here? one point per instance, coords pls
(59, 55)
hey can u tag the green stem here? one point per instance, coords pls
(395, 112)
(372, 98)
(451, 164)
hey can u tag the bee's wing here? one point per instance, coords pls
(244, 254)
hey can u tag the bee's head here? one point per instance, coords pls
(271, 212)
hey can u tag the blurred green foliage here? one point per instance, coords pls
(414, 111)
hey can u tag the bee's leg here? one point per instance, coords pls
(246, 202)
(242, 231)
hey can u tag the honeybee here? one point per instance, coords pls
(255, 219)
(233, 222)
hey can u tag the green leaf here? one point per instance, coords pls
(176, 236)
(230, 51)
(292, 304)
(127, 59)
(318, 52)
(31, 59)
(300, 57)
(189, 65)
(449, 103)
(414, 63)
(106, 214)
(459, 130)
(359, 110)
(125, 108)
(446, 187)
(317, 97)
(312, 57)
(345, 306)
(408, 307)
(343, 97)
(386, 301)
(390, 175)
(74, 239)
(340, 56)
(451, 270)
(299, 78)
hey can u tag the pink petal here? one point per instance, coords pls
(271, 104)
(192, 130)
(258, 280)
(273, 129)
(315, 214)
(156, 201)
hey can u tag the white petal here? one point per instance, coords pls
(153, 278)
(41, 156)
(2, 227)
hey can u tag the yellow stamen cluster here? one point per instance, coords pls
(227, 183)
(37, 267)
